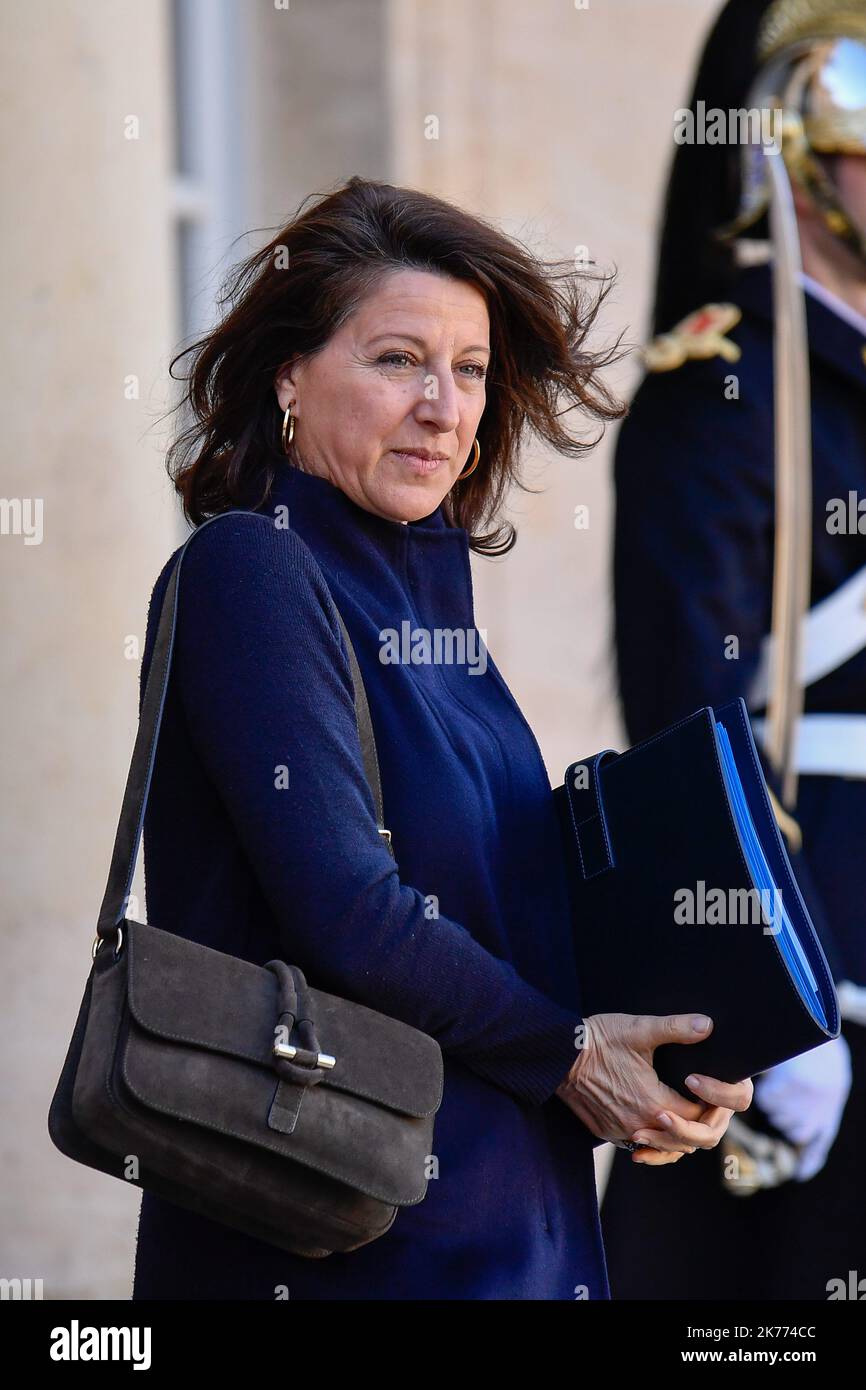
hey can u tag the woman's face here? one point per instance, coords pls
(404, 373)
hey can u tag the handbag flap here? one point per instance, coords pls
(184, 992)
(341, 1136)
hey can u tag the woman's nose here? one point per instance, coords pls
(439, 402)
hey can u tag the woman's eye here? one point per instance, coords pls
(403, 359)
(391, 356)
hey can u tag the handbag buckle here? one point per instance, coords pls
(98, 940)
(303, 1057)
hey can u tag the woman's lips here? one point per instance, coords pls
(418, 463)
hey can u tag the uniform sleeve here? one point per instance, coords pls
(267, 694)
(693, 546)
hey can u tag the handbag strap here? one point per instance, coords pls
(129, 829)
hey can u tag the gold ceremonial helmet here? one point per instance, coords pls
(811, 57)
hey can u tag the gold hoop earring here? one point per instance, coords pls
(474, 464)
(288, 421)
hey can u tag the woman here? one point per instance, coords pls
(391, 346)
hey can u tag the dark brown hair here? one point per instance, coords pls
(336, 252)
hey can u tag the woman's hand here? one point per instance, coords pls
(614, 1090)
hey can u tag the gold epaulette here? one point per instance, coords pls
(701, 335)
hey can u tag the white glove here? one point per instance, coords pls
(804, 1098)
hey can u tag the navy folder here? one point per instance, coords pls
(684, 899)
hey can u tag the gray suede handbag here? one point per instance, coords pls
(236, 1090)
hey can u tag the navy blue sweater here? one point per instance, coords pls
(260, 840)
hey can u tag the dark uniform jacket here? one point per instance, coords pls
(693, 568)
(694, 562)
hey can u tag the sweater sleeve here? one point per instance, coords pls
(267, 693)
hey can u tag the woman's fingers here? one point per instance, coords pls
(646, 1032)
(686, 1135)
(657, 1140)
(719, 1095)
(652, 1141)
(731, 1096)
(613, 1086)
(663, 1140)
(675, 1103)
(653, 1159)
